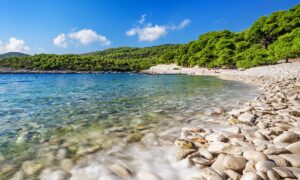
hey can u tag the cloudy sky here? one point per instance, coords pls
(77, 26)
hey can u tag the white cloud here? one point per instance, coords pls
(60, 41)
(142, 19)
(150, 33)
(84, 36)
(13, 45)
(181, 25)
(87, 36)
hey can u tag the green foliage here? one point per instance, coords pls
(269, 39)
(114, 59)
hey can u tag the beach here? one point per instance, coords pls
(260, 139)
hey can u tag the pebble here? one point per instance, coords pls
(295, 171)
(210, 174)
(264, 165)
(286, 137)
(120, 170)
(202, 161)
(213, 137)
(250, 167)
(234, 163)
(294, 148)
(262, 175)
(246, 117)
(206, 154)
(218, 164)
(31, 167)
(146, 175)
(217, 147)
(66, 165)
(254, 156)
(182, 154)
(48, 174)
(294, 159)
(272, 175)
(233, 150)
(275, 151)
(250, 176)
(232, 174)
(184, 144)
(283, 172)
(279, 161)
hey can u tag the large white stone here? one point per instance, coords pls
(254, 156)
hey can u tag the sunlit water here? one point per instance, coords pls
(42, 114)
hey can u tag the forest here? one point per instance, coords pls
(269, 39)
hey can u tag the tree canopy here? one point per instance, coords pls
(268, 40)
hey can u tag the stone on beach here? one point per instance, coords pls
(202, 161)
(217, 147)
(236, 163)
(264, 165)
(283, 172)
(246, 117)
(206, 154)
(184, 144)
(287, 137)
(250, 176)
(232, 174)
(294, 148)
(294, 159)
(272, 175)
(120, 170)
(210, 174)
(31, 167)
(182, 154)
(254, 156)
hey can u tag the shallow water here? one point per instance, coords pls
(44, 113)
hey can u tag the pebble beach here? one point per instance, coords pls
(252, 139)
(259, 140)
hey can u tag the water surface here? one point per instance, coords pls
(43, 110)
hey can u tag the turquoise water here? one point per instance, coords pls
(36, 108)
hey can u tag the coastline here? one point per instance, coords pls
(25, 71)
(220, 144)
(260, 140)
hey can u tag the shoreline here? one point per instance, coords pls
(233, 143)
(263, 137)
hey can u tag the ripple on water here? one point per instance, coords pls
(87, 112)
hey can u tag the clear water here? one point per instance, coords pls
(37, 108)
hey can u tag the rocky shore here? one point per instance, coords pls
(260, 140)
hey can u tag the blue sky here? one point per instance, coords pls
(77, 26)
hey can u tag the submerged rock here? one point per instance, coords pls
(120, 170)
(185, 144)
(184, 153)
(31, 167)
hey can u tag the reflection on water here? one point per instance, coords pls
(47, 112)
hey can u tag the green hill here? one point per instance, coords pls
(12, 54)
(269, 39)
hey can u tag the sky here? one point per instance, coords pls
(80, 26)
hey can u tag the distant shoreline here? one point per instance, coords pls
(25, 71)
